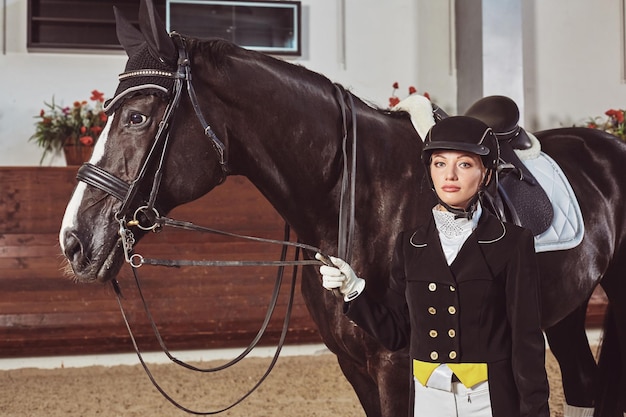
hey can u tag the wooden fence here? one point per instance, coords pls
(43, 312)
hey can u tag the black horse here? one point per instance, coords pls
(281, 126)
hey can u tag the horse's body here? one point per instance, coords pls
(282, 127)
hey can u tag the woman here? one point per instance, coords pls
(463, 291)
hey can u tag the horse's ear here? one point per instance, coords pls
(159, 42)
(130, 37)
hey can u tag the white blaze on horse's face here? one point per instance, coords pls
(98, 150)
(71, 211)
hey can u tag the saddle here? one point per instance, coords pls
(519, 198)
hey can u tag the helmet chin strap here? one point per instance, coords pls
(466, 213)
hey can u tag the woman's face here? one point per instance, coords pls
(456, 176)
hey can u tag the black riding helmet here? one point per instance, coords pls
(466, 134)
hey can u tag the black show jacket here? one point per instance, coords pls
(483, 308)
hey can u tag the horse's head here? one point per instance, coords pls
(141, 143)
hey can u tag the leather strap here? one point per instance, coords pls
(348, 180)
(97, 177)
(236, 360)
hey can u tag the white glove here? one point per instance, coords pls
(342, 277)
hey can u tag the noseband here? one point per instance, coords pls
(99, 178)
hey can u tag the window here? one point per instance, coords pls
(78, 24)
(267, 26)
(66, 25)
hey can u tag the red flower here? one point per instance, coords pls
(615, 124)
(393, 101)
(42, 113)
(97, 96)
(103, 117)
(96, 130)
(83, 130)
(86, 140)
(618, 115)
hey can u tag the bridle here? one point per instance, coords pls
(107, 182)
(101, 179)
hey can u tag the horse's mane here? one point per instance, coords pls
(217, 50)
(221, 51)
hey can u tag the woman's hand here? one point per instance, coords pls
(340, 276)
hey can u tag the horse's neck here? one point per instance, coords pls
(304, 184)
(292, 155)
(289, 145)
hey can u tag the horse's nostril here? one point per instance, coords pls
(72, 247)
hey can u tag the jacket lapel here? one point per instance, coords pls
(428, 257)
(470, 263)
(475, 256)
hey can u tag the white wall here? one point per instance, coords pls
(375, 57)
(435, 61)
(572, 61)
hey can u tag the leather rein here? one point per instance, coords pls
(99, 178)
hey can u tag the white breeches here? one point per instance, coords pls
(572, 411)
(459, 402)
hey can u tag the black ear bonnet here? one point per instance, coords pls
(150, 83)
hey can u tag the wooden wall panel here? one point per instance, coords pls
(43, 312)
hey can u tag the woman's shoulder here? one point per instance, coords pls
(492, 228)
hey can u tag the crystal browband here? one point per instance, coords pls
(147, 73)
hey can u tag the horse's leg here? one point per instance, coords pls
(393, 374)
(609, 373)
(611, 398)
(362, 384)
(347, 343)
(386, 373)
(570, 346)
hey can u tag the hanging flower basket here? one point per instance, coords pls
(77, 154)
(74, 129)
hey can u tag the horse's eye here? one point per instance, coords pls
(137, 119)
